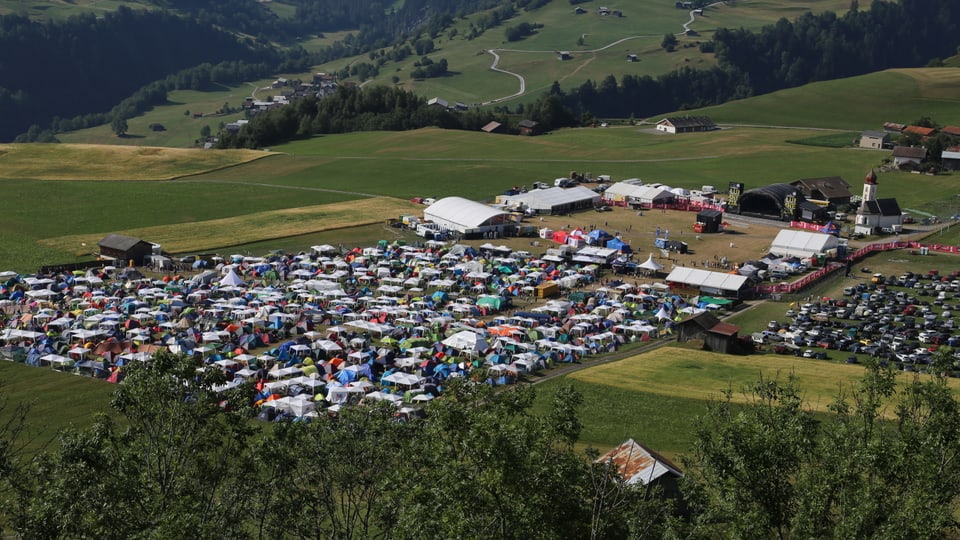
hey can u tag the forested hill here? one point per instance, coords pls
(907, 33)
(80, 69)
(90, 63)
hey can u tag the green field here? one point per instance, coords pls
(856, 103)
(656, 397)
(56, 400)
(427, 162)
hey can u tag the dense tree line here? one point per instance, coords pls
(178, 459)
(907, 33)
(87, 64)
(380, 108)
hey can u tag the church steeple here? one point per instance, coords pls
(869, 192)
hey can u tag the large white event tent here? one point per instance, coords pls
(708, 282)
(466, 216)
(794, 243)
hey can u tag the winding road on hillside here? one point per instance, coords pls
(495, 66)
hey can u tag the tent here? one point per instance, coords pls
(619, 245)
(467, 341)
(231, 280)
(651, 264)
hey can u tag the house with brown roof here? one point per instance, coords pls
(834, 189)
(908, 157)
(951, 130)
(919, 130)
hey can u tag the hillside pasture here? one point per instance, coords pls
(41, 10)
(181, 128)
(409, 164)
(100, 162)
(855, 103)
(643, 25)
(755, 14)
(186, 237)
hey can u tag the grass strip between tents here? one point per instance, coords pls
(184, 237)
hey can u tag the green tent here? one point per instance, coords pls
(494, 302)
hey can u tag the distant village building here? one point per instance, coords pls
(833, 189)
(491, 127)
(632, 58)
(686, 124)
(437, 102)
(877, 215)
(908, 157)
(892, 127)
(953, 131)
(564, 55)
(528, 127)
(923, 132)
(876, 140)
(950, 158)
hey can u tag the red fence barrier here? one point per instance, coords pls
(787, 288)
(685, 206)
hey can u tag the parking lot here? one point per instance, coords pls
(900, 319)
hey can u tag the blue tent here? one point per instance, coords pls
(597, 235)
(619, 245)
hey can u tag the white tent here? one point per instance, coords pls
(231, 279)
(403, 379)
(651, 264)
(795, 243)
(467, 341)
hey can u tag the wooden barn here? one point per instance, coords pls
(125, 248)
(717, 336)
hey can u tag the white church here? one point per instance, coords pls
(877, 215)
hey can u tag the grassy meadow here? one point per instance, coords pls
(855, 103)
(657, 396)
(56, 400)
(196, 236)
(48, 215)
(111, 163)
